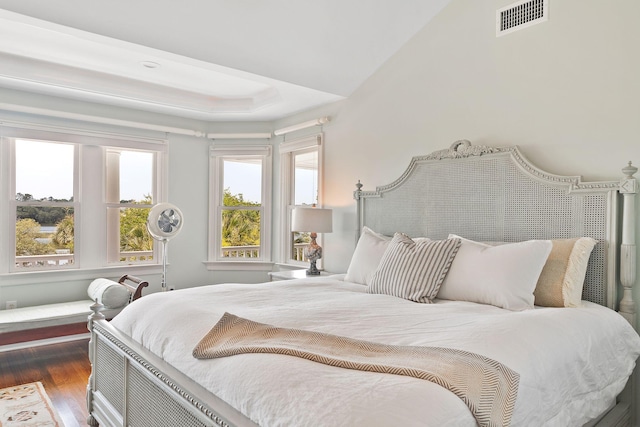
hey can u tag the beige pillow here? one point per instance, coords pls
(413, 269)
(562, 278)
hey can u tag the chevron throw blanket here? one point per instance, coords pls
(487, 387)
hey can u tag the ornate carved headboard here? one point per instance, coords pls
(496, 194)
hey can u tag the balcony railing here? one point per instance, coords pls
(54, 261)
(254, 251)
(59, 260)
(298, 251)
(241, 251)
(136, 256)
(44, 261)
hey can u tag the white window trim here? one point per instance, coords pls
(91, 264)
(76, 205)
(287, 149)
(217, 154)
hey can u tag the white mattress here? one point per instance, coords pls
(572, 361)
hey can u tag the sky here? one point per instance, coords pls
(243, 177)
(46, 170)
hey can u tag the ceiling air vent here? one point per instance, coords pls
(521, 15)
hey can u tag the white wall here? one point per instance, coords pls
(188, 188)
(566, 91)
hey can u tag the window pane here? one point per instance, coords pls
(130, 178)
(300, 241)
(240, 233)
(44, 170)
(135, 242)
(136, 176)
(44, 245)
(242, 182)
(306, 178)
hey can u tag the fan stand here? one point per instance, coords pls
(163, 283)
(164, 221)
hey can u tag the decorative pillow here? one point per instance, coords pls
(504, 275)
(367, 256)
(108, 293)
(413, 269)
(562, 278)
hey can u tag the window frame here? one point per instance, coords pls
(75, 204)
(287, 151)
(217, 156)
(90, 235)
(113, 240)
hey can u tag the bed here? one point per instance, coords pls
(341, 350)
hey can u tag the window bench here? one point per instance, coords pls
(65, 319)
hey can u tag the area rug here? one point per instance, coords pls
(27, 405)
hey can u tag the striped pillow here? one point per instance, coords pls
(413, 270)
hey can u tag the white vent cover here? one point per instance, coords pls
(521, 15)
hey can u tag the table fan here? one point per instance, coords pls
(163, 223)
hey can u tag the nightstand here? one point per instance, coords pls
(293, 274)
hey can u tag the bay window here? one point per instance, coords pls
(301, 185)
(76, 200)
(45, 194)
(239, 205)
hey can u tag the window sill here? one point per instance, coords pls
(239, 265)
(29, 277)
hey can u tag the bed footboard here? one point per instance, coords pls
(129, 385)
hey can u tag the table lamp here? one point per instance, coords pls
(312, 220)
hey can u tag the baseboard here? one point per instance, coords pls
(36, 334)
(46, 341)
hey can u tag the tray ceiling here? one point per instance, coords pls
(216, 60)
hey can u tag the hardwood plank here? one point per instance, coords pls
(62, 368)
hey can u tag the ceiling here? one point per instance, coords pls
(241, 60)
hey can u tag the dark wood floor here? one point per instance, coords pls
(63, 369)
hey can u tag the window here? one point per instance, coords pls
(240, 200)
(130, 196)
(45, 197)
(301, 179)
(66, 189)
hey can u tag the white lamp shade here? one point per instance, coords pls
(315, 220)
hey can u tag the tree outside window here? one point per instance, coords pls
(240, 178)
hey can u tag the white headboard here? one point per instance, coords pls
(496, 194)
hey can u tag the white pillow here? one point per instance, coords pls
(413, 269)
(504, 276)
(367, 256)
(108, 293)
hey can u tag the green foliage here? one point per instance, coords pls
(62, 238)
(239, 227)
(45, 215)
(27, 230)
(133, 227)
(133, 230)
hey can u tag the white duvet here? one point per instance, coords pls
(572, 361)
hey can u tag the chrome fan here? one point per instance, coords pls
(163, 223)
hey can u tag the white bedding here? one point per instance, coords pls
(571, 361)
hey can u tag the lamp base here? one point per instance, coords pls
(313, 270)
(313, 252)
